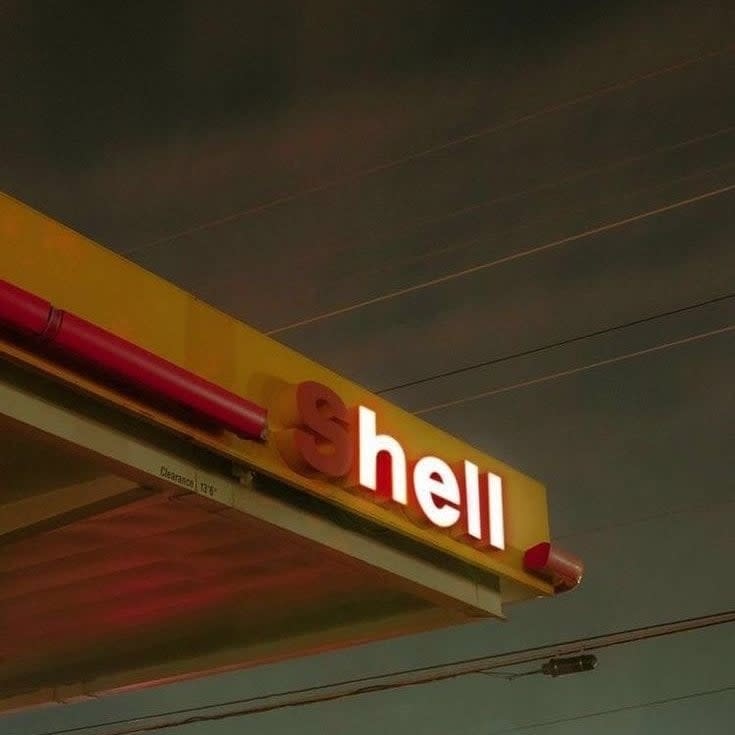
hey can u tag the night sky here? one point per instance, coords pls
(401, 190)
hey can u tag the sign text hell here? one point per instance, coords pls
(319, 437)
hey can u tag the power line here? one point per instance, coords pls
(575, 177)
(430, 151)
(687, 510)
(456, 245)
(554, 345)
(590, 232)
(403, 678)
(616, 710)
(574, 371)
(581, 175)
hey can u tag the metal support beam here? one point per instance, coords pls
(62, 505)
(153, 467)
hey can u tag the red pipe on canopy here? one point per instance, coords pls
(31, 315)
(22, 310)
(562, 569)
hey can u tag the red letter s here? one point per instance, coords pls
(316, 434)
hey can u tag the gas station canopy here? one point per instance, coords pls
(180, 494)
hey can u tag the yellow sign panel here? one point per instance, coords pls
(96, 285)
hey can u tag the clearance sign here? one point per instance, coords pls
(266, 406)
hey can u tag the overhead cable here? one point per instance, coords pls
(518, 255)
(394, 680)
(576, 370)
(555, 345)
(546, 186)
(614, 710)
(430, 151)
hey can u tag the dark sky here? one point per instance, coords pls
(287, 161)
(139, 72)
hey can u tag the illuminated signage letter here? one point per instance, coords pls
(471, 513)
(437, 491)
(495, 502)
(371, 445)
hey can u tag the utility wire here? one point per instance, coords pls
(399, 679)
(580, 175)
(687, 510)
(554, 345)
(575, 177)
(495, 236)
(430, 151)
(577, 236)
(574, 371)
(615, 710)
